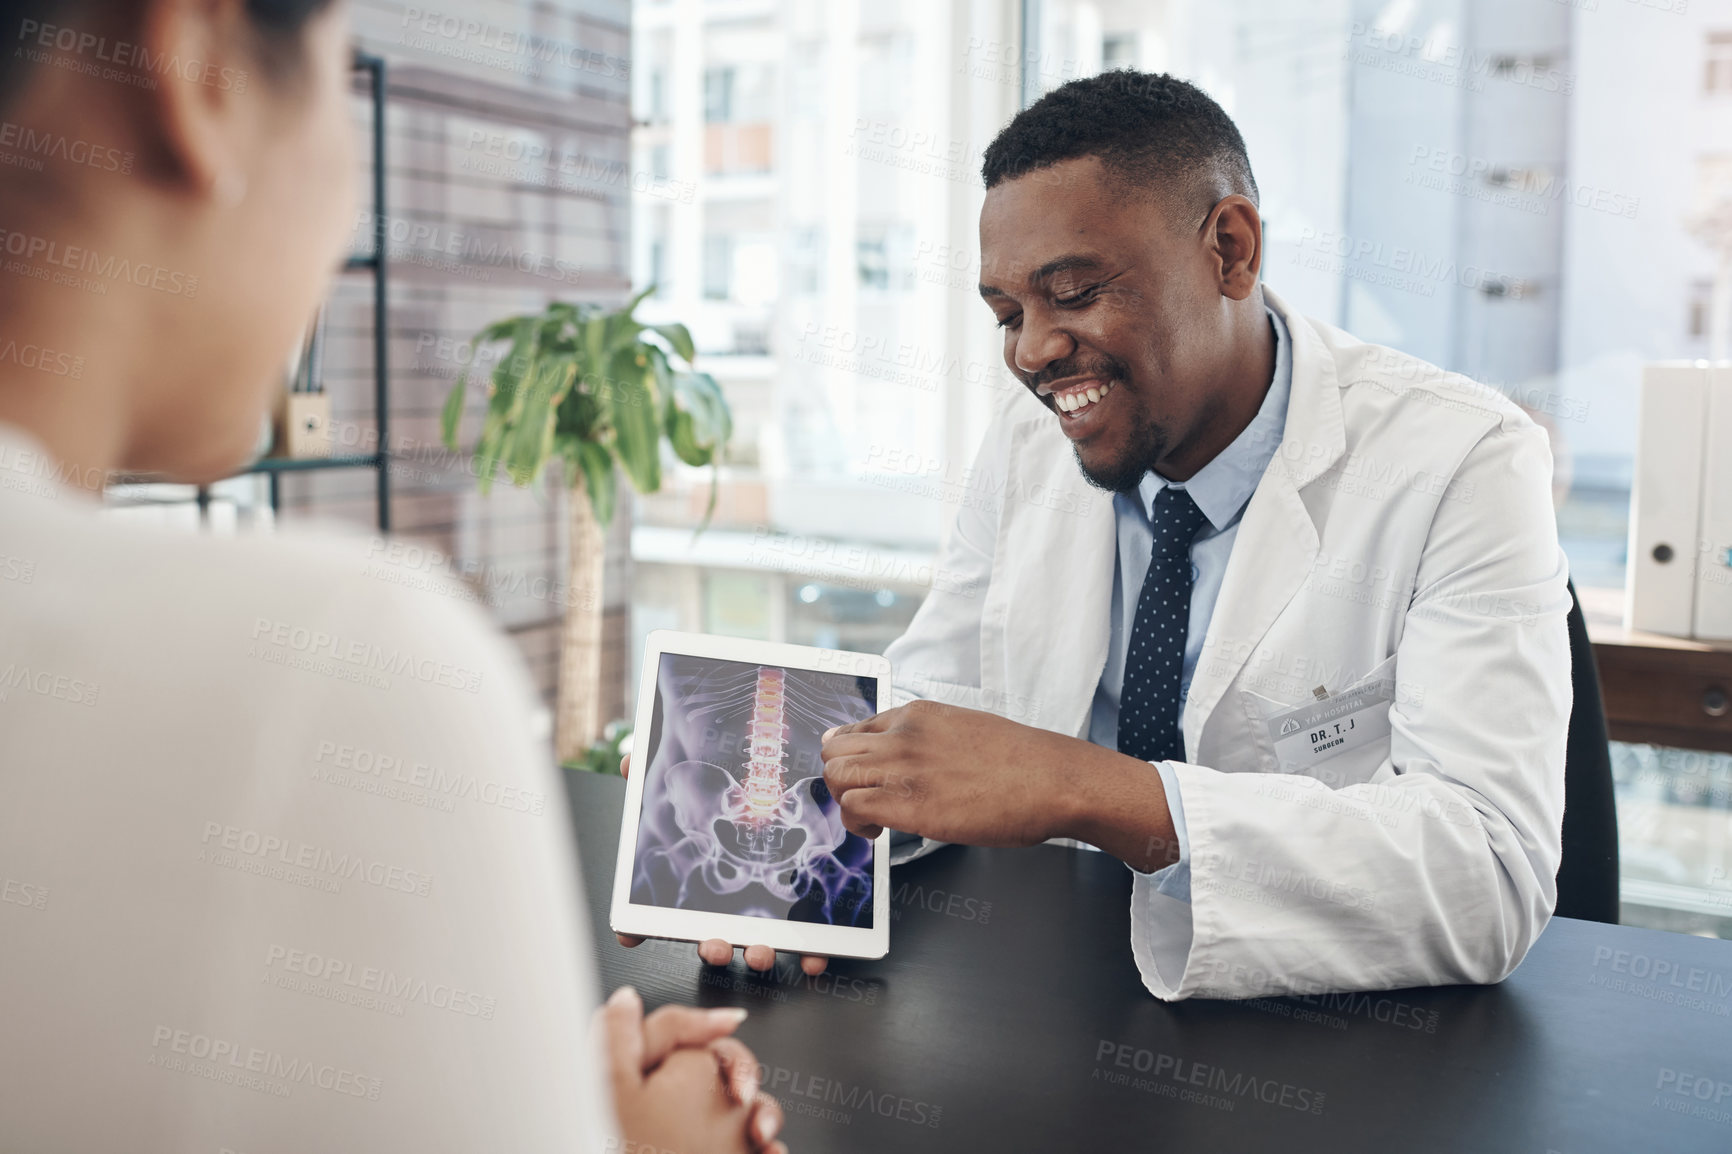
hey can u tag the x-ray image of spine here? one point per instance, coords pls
(765, 786)
(736, 817)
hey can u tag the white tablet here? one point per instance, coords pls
(729, 831)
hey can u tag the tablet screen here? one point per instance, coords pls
(736, 818)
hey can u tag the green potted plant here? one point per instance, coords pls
(604, 755)
(596, 389)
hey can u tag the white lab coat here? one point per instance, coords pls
(1403, 529)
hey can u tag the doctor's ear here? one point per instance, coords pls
(1233, 234)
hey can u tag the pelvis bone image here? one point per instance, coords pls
(736, 817)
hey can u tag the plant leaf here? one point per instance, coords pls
(487, 450)
(531, 438)
(595, 346)
(698, 422)
(684, 441)
(582, 383)
(621, 332)
(596, 466)
(661, 380)
(452, 413)
(632, 411)
(580, 414)
(631, 305)
(679, 339)
(710, 509)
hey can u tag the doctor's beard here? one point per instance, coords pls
(1147, 442)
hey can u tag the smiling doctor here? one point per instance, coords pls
(1305, 671)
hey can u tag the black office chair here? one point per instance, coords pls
(1588, 873)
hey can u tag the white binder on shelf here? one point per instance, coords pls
(1713, 555)
(1666, 504)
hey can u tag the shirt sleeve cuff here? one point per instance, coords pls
(1175, 880)
(905, 847)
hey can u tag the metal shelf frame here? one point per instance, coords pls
(375, 262)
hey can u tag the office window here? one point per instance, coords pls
(1712, 190)
(1502, 248)
(806, 260)
(885, 256)
(874, 262)
(739, 115)
(884, 75)
(1536, 180)
(718, 95)
(751, 340)
(1497, 287)
(718, 266)
(806, 82)
(839, 617)
(1717, 69)
(1675, 840)
(737, 604)
(658, 274)
(739, 93)
(756, 271)
(1522, 66)
(1118, 50)
(1699, 311)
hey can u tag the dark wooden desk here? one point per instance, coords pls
(1009, 1017)
(1659, 689)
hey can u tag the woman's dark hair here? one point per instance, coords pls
(278, 26)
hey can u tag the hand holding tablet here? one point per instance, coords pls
(729, 831)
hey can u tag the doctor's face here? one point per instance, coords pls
(1112, 314)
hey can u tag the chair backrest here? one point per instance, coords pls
(1588, 872)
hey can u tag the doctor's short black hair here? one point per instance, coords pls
(1160, 135)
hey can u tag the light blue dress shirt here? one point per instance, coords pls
(1221, 489)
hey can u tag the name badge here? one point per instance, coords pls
(1304, 736)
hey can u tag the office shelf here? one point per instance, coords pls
(267, 465)
(373, 262)
(306, 464)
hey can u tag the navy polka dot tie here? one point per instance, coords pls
(1149, 705)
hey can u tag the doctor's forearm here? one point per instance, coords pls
(1119, 804)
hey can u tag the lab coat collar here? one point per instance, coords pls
(1278, 541)
(1056, 653)
(1222, 486)
(1316, 434)
(1058, 656)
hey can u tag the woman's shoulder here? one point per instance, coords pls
(229, 611)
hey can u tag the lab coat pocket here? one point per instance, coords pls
(1348, 729)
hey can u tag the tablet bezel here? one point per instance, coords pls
(627, 917)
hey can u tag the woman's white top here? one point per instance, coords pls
(283, 865)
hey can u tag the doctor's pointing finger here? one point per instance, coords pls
(951, 774)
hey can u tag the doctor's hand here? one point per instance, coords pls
(715, 951)
(953, 774)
